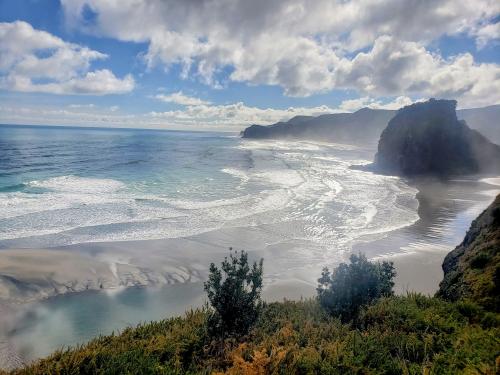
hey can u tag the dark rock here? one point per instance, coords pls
(428, 139)
(361, 127)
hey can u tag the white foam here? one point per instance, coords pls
(80, 185)
(281, 177)
(64, 192)
(238, 173)
(491, 180)
(203, 205)
(298, 190)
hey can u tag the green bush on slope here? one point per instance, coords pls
(350, 286)
(234, 294)
(472, 269)
(413, 334)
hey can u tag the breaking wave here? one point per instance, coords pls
(300, 191)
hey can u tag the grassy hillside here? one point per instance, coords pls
(412, 334)
(472, 270)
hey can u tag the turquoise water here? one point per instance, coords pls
(62, 186)
(72, 319)
(97, 183)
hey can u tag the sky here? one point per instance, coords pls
(226, 64)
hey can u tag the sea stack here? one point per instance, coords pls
(428, 139)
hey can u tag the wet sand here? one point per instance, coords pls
(445, 211)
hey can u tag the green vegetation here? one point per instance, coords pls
(472, 270)
(350, 286)
(234, 294)
(397, 335)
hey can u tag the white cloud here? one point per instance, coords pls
(228, 117)
(180, 98)
(35, 61)
(82, 105)
(232, 117)
(407, 67)
(75, 114)
(308, 47)
(487, 33)
(351, 105)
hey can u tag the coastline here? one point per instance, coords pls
(446, 211)
(30, 275)
(112, 267)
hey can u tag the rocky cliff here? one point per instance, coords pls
(472, 269)
(428, 139)
(361, 127)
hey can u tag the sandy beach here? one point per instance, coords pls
(30, 275)
(445, 211)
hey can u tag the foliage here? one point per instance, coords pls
(472, 269)
(411, 334)
(350, 286)
(234, 294)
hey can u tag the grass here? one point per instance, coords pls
(411, 334)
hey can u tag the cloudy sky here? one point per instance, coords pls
(223, 64)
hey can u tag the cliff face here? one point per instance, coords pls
(428, 139)
(361, 127)
(472, 269)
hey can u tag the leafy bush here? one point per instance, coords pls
(234, 296)
(480, 261)
(411, 334)
(350, 286)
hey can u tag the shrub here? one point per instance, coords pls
(480, 261)
(234, 296)
(350, 286)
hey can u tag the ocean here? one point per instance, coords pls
(62, 186)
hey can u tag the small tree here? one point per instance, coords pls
(350, 286)
(234, 294)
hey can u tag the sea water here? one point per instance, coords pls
(62, 186)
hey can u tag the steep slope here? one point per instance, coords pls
(472, 269)
(361, 127)
(428, 139)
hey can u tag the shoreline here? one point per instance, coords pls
(114, 267)
(119, 264)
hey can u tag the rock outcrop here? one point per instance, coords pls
(428, 139)
(361, 127)
(472, 269)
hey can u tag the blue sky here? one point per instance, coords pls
(213, 65)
